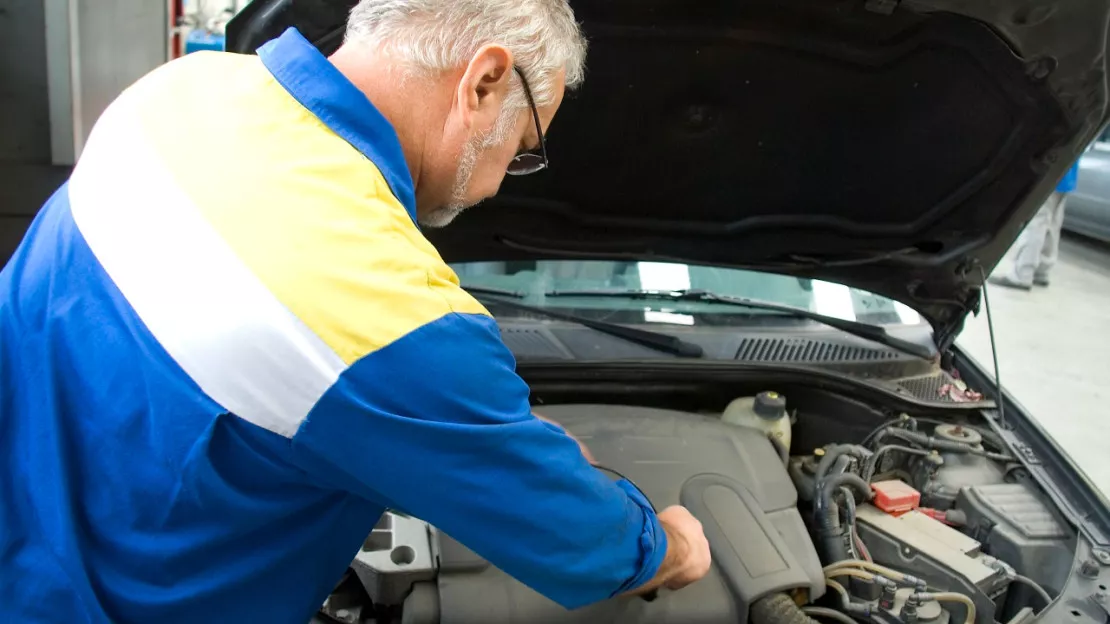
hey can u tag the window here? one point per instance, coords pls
(536, 280)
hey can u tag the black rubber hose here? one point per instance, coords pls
(921, 439)
(807, 483)
(831, 536)
(872, 463)
(833, 453)
(778, 609)
(840, 466)
(989, 437)
(848, 479)
(832, 542)
(849, 508)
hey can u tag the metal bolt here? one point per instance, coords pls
(1102, 555)
(1089, 568)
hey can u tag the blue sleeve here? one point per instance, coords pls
(1070, 180)
(438, 424)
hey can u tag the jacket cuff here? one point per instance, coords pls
(653, 541)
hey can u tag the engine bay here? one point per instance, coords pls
(818, 508)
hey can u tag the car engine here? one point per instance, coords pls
(922, 521)
(932, 522)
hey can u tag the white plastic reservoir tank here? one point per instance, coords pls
(765, 411)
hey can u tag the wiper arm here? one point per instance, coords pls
(867, 331)
(654, 340)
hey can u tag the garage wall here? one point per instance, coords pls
(25, 122)
(26, 175)
(54, 85)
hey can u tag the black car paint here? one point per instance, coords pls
(894, 147)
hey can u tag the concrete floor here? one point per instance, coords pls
(1054, 352)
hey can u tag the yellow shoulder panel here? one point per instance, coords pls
(307, 212)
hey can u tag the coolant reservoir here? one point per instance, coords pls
(765, 411)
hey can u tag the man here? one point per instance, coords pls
(1034, 253)
(225, 346)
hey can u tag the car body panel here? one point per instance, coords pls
(1087, 210)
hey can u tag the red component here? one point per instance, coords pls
(177, 16)
(951, 518)
(895, 497)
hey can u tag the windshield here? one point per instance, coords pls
(532, 279)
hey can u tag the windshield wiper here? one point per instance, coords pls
(654, 340)
(874, 333)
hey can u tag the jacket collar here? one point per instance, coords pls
(321, 88)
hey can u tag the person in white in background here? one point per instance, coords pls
(1034, 253)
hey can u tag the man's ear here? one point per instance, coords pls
(484, 86)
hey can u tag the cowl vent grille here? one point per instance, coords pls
(805, 350)
(532, 343)
(927, 387)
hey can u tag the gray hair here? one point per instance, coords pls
(440, 35)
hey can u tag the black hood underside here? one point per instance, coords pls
(897, 147)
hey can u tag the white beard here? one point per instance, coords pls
(441, 217)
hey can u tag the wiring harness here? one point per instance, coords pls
(842, 480)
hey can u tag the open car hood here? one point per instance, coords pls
(897, 147)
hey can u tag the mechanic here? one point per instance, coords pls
(1035, 251)
(226, 348)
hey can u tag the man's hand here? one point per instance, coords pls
(692, 560)
(585, 451)
(687, 559)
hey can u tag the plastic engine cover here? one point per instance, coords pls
(729, 477)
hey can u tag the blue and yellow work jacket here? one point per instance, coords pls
(226, 348)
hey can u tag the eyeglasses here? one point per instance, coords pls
(529, 162)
